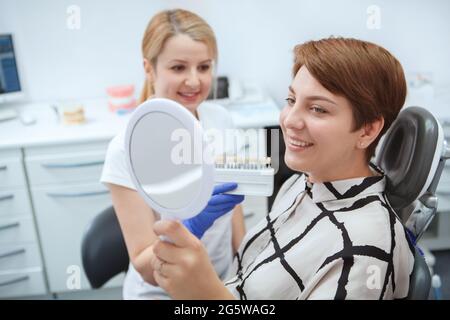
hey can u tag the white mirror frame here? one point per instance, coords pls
(191, 124)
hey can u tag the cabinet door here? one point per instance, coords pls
(22, 283)
(11, 170)
(14, 201)
(17, 229)
(19, 256)
(62, 214)
(63, 168)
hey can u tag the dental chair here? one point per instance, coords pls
(412, 154)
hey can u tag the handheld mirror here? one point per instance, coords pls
(174, 188)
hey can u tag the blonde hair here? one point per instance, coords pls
(167, 24)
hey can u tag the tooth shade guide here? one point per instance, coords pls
(237, 162)
(254, 176)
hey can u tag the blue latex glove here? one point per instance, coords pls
(217, 206)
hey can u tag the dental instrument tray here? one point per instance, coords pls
(255, 177)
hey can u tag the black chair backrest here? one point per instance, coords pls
(103, 250)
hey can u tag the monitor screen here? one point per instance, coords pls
(9, 76)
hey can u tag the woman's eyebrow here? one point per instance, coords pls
(291, 90)
(320, 98)
(314, 97)
(185, 61)
(177, 61)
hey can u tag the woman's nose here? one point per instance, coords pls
(193, 79)
(294, 119)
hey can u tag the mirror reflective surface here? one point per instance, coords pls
(170, 184)
(163, 140)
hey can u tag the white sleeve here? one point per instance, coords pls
(215, 116)
(115, 169)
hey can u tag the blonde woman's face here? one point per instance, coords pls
(183, 71)
(317, 128)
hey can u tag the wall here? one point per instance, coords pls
(255, 39)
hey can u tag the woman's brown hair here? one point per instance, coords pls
(369, 76)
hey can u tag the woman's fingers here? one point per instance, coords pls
(167, 252)
(160, 278)
(224, 187)
(221, 207)
(171, 265)
(156, 263)
(225, 198)
(166, 275)
(175, 231)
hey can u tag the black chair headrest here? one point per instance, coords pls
(409, 154)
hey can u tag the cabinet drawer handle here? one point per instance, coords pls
(249, 214)
(9, 226)
(72, 165)
(7, 197)
(13, 252)
(76, 195)
(12, 281)
(3, 168)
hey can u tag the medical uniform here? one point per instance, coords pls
(332, 240)
(217, 239)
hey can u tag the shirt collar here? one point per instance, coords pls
(348, 188)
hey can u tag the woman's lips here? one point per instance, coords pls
(189, 96)
(295, 144)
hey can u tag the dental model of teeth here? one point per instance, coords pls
(254, 176)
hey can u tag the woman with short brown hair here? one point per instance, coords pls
(331, 233)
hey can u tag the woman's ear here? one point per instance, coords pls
(148, 68)
(370, 132)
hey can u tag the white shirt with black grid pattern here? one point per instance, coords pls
(333, 240)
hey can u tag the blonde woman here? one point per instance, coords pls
(179, 52)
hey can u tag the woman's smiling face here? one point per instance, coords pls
(318, 132)
(183, 71)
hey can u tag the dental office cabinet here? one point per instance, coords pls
(50, 191)
(21, 265)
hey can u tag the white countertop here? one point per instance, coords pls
(103, 125)
(255, 114)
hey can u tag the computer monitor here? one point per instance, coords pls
(10, 86)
